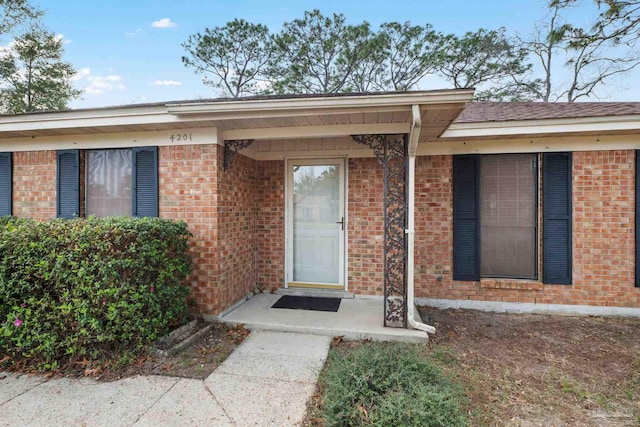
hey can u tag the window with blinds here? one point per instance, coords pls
(507, 194)
(109, 182)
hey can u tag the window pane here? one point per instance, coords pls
(507, 215)
(109, 183)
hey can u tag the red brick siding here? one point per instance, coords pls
(237, 218)
(366, 226)
(237, 203)
(270, 233)
(188, 190)
(34, 184)
(603, 237)
(603, 228)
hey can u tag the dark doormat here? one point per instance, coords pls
(308, 303)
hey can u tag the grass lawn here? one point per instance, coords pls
(487, 369)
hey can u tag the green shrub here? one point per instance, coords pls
(96, 288)
(388, 384)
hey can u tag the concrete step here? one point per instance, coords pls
(313, 292)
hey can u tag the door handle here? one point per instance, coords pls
(341, 222)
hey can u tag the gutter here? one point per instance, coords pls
(410, 231)
(397, 101)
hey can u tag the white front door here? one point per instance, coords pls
(316, 223)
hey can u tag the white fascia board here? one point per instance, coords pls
(90, 118)
(186, 136)
(539, 127)
(325, 131)
(254, 107)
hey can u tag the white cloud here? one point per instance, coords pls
(96, 85)
(100, 84)
(166, 83)
(7, 49)
(133, 33)
(60, 37)
(82, 74)
(163, 23)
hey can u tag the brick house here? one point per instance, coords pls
(405, 195)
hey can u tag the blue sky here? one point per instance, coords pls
(129, 51)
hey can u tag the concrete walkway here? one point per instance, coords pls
(266, 381)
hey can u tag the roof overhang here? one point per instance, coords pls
(544, 127)
(319, 105)
(271, 118)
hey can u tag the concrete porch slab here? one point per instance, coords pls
(358, 318)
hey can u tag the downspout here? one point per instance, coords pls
(414, 135)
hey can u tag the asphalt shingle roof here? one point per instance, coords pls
(478, 112)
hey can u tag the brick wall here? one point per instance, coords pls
(237, 218)
(603, 237)
(366, 226)
(188, 187)
(603, 228)
(237, 204)
(220, 208)
(34, 184)
(270, 224)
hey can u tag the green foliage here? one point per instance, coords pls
(486, 57)
(411, 53)
(96, 288)
(318, 54)
(388, 384)
(34, 76)
(403, 55)
(590, 57)
(324, 54)
(13, 13)
(236, 55)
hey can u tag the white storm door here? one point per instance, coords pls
(316, 223)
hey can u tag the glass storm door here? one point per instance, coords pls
(315, 223)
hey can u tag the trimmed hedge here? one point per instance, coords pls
(99, 288)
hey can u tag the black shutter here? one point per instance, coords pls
(145, 181)
(638, 218)
(466, 218)
(6, 174)
(557, 218)
(68, 183)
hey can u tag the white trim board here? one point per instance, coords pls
(196, 136)
(531, 145)
(543, 126)
(530, 308)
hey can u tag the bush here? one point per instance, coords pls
(98, 288)
(388, 384)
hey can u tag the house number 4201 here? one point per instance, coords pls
(177, 137)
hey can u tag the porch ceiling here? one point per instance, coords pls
(435, 120)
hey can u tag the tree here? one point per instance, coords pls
(543, 46)
(406, 55)
(413, 52)
(591, 58)
(232, 58)
(488, 61)
(619, 20)
(14, 13)
(318, 54)
(34, 76)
